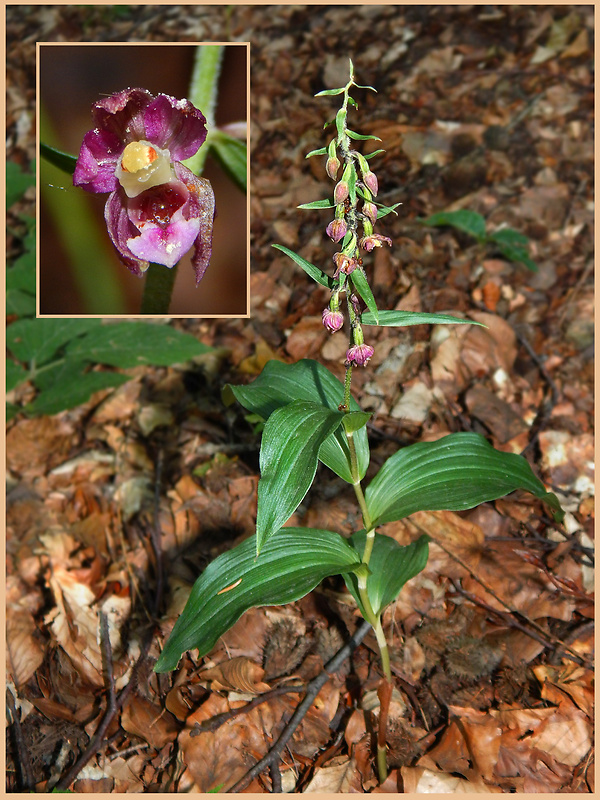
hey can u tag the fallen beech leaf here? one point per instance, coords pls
(419, 780)
(24, 653)
(142, 718)
(239, 674)
(334, 779)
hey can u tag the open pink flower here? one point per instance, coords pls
(359, 355)
(158, 209)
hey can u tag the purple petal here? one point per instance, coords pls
(98, 158)
(165, 245)
(202, 205)
(121, 229)
(176, 125)
(122, 114)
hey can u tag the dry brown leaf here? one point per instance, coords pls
(238, 674)
(570, 679)
(419, 780)
(337, 778)
(142, 718)
(482, 737)
(24, 653)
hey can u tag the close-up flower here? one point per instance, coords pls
(157, 208)
(344, 263)
(336, 230)
(374, 240)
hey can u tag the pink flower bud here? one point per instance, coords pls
(332, 167)
(370, 211)
(370, 181)
(336, 230)
(374, 240)
(333, 320)
(359, 354)
(340, 192)
(344, 264)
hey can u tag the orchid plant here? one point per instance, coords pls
(311, 417)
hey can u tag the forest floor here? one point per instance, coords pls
(118, 505)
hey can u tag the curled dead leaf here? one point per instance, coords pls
(238, 674)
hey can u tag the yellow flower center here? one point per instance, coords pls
(137, 155)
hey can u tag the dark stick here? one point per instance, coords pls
(22, 760)
(312, 690)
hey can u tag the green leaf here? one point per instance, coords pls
(464, 220)
(17, 182)
(280, 384)
(232, 156)
(72, 387)
(289, 455)
(37, 340)
(59, 159)
(15, 374)
(391, 566)
(129, 344)
(383, 211)
(361, 137)
(457, 472)
(513, 246)
(369, 156)
(296, 560)
(329, 92)
(317, 204)
(361, 284)
(340, 121)
(314, 272)
(322, 151)
(404, 318)
(355, 420)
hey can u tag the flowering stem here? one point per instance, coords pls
(158, 288)
(203, 94)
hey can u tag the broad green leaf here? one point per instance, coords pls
(391, 565)
(280, 384)
(59, 159)
(77, 388)
(361, 284)
(289, 454)
(232, 156)
(315, 273)
(17, 182)
(317, 204)
(404, 318)
(513, 246)
(361, 136)
(322, 151)
(464, 220)
(37, 340)
(15, 374)
(457, 472)
(129, 344)
(295, 561)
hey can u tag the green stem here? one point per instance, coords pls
(158, 288)
(203, 94)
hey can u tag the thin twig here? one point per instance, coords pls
(22, 760)
(312, 690)
(214, 723)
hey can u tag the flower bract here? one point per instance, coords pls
(157, 209)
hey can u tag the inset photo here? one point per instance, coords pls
(143, 180)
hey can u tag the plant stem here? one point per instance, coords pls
(158, 288)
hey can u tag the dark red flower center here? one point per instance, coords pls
(160, 203)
